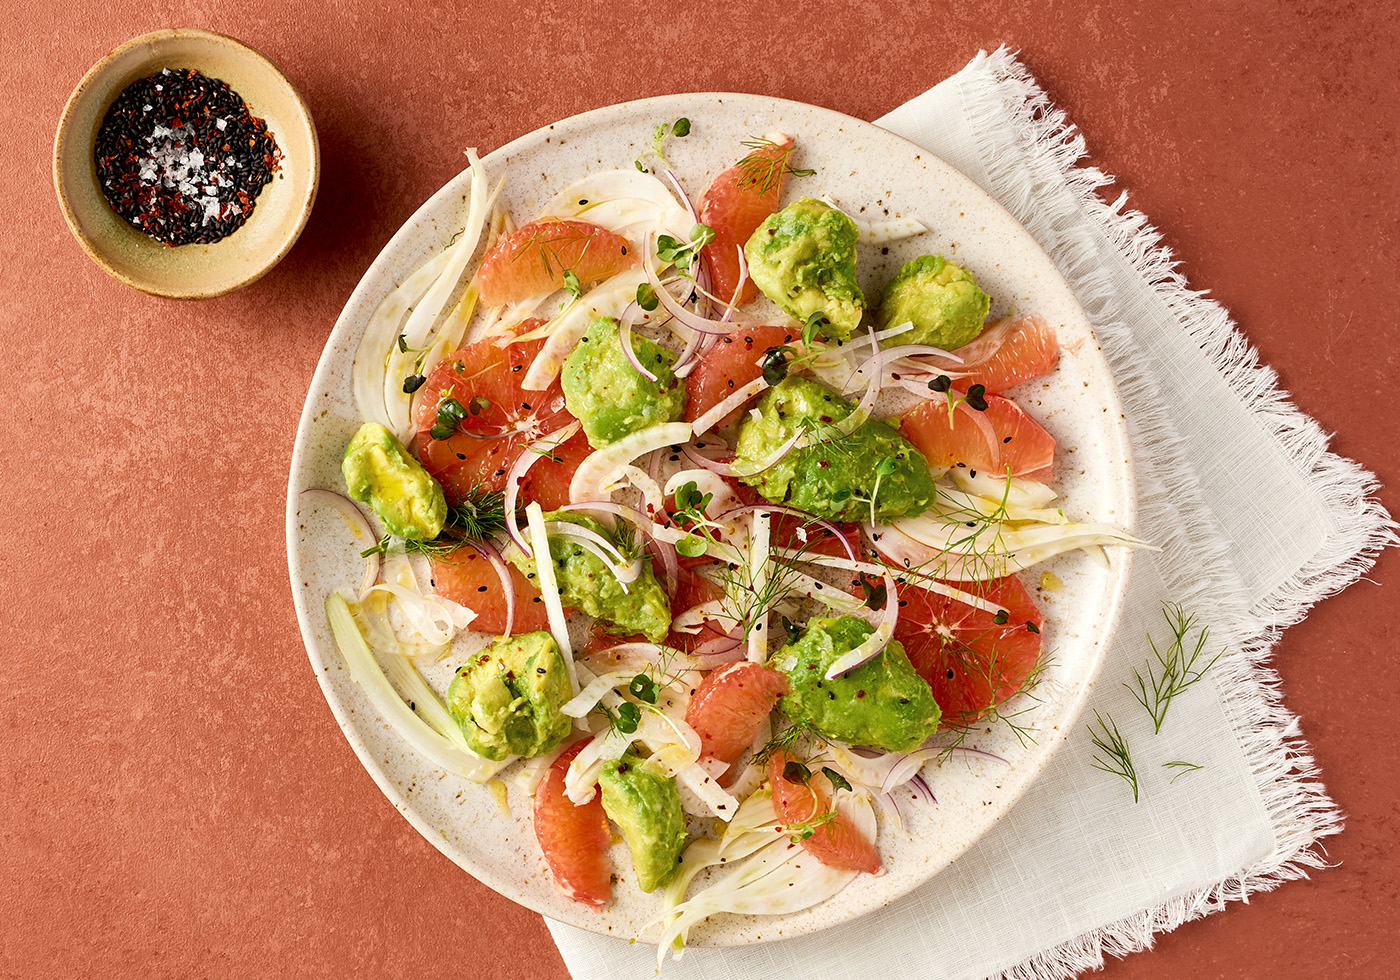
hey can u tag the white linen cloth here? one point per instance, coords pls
(1077, 869)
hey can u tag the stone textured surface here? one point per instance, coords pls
(177, 798)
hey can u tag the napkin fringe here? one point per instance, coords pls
(1047, 189)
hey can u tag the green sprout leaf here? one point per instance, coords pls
(643, 688)
(838, 781)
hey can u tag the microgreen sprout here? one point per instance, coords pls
(683, 254)
(626, 719)
(796, 772)
(414, 381)
(681, 128)
(876, 592)
(775, 365)
(450, 414)
(813, 325)
(975, 396)
(643, 688)
(884, 468)
(793, 631)
(646, 297)
(838, 781)
(572, 284)
(1178, 668)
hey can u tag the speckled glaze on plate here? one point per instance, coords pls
(867, 171)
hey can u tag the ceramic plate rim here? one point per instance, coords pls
(655, 107)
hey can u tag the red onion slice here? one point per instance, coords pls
(488, 551)
(726, 469)
(735, 400)
(922, 789)
(624, 337)
(348, 509)
(875, 642)
(801, 515)
(517, 472)
(692, 320)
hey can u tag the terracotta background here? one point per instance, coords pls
(177, 799)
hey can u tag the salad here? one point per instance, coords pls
(783, 523)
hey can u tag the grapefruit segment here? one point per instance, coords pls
(534, 258)
(574, 839)
(729, 365)
(728, 708)
(502, 420)
(835, 840)
(972, 662)
(1010, 351)
(465, 577)
(735, 204)
(1022, 446)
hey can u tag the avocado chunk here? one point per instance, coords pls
(804, 259)
(883, 702)
(611, 397)
(586, 584)
(380, 472)
(647, 808)
(941, 299)
(507, 698)
(836, 477)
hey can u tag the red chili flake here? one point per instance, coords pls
(164, 159)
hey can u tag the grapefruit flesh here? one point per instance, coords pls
(534, 259)
(1013, 350)
(574, 839)
(503, 420)
(469, 579)
(973, 663)
(728, 708)
(836, 842)
(734, 205)
(1022, 446)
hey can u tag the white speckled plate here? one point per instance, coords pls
(867, 171)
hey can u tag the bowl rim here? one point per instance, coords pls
(64, 146)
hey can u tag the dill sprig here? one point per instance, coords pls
(784, 740)
(763, 167)
(1111, 743)
(550, 238)
(1184, 768)
(480, 515)
(1004, 709)
(1178, 669)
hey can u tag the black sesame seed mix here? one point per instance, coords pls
(181, 158)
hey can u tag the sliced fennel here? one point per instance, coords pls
(426, 738)
(778, 878)
(956, 552)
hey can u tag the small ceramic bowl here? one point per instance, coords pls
(188, 271)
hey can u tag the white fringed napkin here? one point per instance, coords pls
(1077, 868)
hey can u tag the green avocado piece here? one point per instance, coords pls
(834, 478)
(586, 584)
(941, 299)
(612, 398)
(380, 472)
(882, 703)
(804, 259)
(647, 808)
(507, 698)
